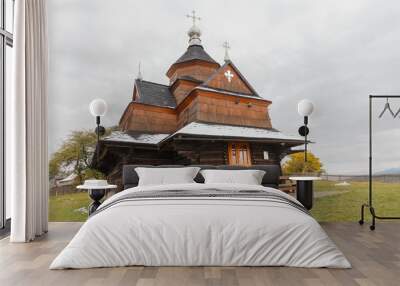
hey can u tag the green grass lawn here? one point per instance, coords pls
(61, 207)
(346, 206)
(343, 206)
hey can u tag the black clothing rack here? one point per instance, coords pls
(370, 202)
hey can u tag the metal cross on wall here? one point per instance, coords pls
(193, 16)
(229, 75)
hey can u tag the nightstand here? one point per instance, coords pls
(304, 190)
(96, 190)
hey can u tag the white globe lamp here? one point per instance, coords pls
(305, 107)
(98, 108)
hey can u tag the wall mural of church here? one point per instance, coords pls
(209, 114)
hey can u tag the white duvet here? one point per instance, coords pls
(200, 231)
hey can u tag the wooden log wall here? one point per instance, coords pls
(202, 152)
(257, 154)
(216, 153)
(118, 156)
(180, 152)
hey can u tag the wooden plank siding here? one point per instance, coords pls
(196, 69)
(189, 113)
(181, 88)
(213, 107)
(231, 110)
(149, 118)
(220, 81)
(198, 106)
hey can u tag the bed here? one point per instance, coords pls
(201, 224)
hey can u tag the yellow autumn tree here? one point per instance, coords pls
(296, 165)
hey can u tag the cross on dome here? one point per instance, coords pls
(227, 47)
(194, 32)
(194, 18)
(229, 75)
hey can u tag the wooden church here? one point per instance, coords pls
(208, 114)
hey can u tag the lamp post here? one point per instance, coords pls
(304, 185)
(98, 108)
(305, 108)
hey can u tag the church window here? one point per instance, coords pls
(239, 154)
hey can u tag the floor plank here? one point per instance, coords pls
(375, 257)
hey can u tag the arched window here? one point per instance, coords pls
(239, 154)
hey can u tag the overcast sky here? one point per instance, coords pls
(334, 53)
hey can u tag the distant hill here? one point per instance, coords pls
(391, 171)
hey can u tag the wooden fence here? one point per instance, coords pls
(62, 190)
(362, 178)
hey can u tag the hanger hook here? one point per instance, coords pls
(387, 107)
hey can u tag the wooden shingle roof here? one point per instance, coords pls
(195, 52)
(154, 94)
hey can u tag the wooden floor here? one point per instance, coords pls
(375, 257)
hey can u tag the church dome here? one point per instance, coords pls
(194, 31)
(195, 51)
(194, 34)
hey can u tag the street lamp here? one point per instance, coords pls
(98, 108)
(305, 108)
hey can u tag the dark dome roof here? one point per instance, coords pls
(195, 52)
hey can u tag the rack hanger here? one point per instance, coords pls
(387, 107)
(397, 113)
(369, 205)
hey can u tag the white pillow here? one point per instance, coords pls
(247, 177)
(166, 176)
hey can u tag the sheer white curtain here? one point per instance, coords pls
(27, 122)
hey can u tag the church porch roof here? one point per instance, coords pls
(206, 130)
(135, 137)
(232, 132)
